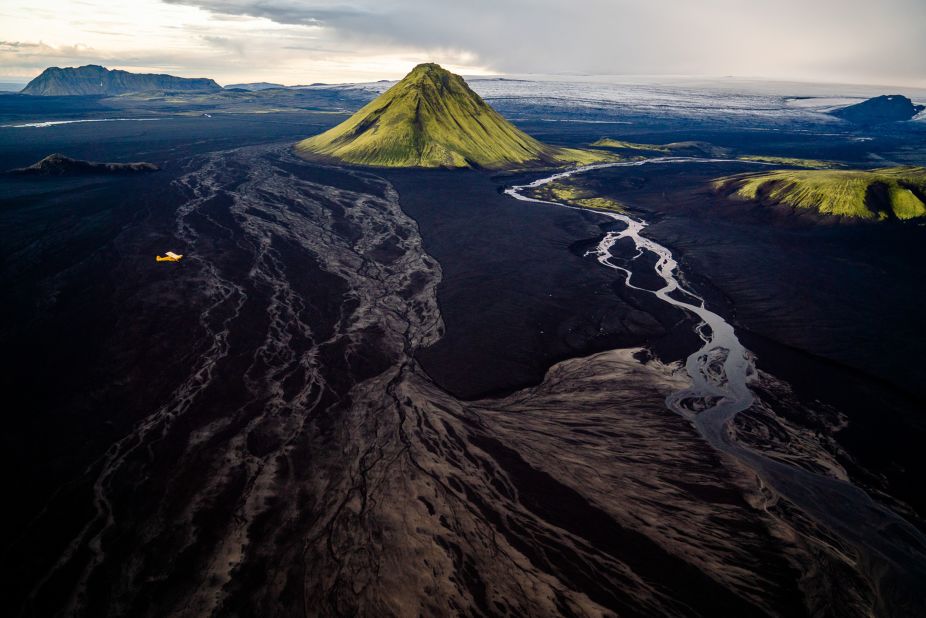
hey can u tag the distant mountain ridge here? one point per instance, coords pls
(94, 79)
(252, 86)
(886, 108)
(60, 165)
(432, 118)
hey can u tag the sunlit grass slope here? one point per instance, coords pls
(690, 148)
(791, 161)
(566, 192)
(607, 142)
(708, 149)
(865, 194)
(433, 119)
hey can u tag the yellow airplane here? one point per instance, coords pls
(170, 256)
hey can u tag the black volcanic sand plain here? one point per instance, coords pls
(518, 292)
(178, 409)
(828, 306)
(401, 392)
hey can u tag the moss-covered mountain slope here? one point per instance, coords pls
(433, 119)
(876, 194)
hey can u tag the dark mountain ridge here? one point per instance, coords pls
(886, 108)
(60, 165)
(93, 79)
(254, 86)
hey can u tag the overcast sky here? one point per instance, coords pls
(305, 41)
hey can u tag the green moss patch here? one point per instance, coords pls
(567, 192)
(607, 142)
(861, 194)
(792, 161)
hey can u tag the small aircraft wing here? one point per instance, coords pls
(173, 255)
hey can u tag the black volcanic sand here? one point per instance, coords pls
(834, 308)
(78, 264)
(101, 335)
(518, 292)
(107, 337)
(98, 335)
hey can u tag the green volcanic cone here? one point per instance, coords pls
(433, 119)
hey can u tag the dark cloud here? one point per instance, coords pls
(779, 38)
(20, 46)
(282, 11)
(38, 56)
(225, 43)
(352, 40)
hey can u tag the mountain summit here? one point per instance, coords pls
(94, 79)
(433, 119)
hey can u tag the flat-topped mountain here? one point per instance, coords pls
(60, 165)
(886, 108)
(94, 79)
(433, 119)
